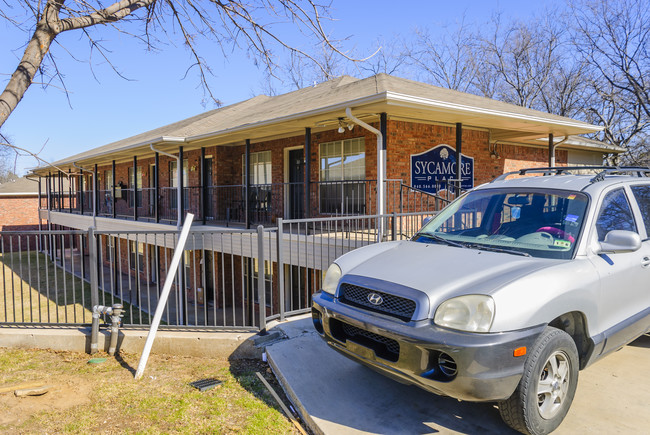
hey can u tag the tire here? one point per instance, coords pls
(547, 386)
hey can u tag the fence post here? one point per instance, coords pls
(261, 279)
(94, 290)
(393, 227)
(93, 258)
(280, 246)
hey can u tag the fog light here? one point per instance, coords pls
(317, 318)
(447, 365)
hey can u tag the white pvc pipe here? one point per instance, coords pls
(381, 157)
(164, 295)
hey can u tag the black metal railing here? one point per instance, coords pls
(233, 205)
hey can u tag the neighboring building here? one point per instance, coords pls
(18, 209)
(308, 158)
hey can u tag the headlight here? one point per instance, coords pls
(332, 278)
(473, 313)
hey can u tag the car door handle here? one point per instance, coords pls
(645, 262)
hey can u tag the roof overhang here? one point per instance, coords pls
(503, 126)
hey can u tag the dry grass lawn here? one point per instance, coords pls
(104, 398)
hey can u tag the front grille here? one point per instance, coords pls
(384, 347)
(395, 306)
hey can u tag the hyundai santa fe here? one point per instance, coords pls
(505, 294)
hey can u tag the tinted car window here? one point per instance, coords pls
(615, 214)
(642, 195)
(540, 223)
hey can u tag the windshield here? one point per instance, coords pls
(536, 223)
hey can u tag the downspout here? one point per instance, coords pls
(551, 148)
(381, 155)
(94, 191)
(179, 174)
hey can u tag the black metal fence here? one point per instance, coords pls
(227, 278)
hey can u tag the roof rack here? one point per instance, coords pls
(639, 171)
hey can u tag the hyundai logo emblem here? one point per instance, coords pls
(375, 299)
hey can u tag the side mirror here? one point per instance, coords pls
(618, 241)
(426, 220)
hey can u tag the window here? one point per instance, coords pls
(138, 187)
(642, 195)
(173, 175)
(107, 206)
(173, 183)
(136, 253)
(268, 280)
(108, 180)
(341, 164)
(260, 170)
(542, 223)
(152, 188)
(188, 257)
(615, 214)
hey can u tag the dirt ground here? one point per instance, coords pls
(104, 398)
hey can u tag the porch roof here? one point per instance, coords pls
(320, 106)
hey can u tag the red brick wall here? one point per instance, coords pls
(19, 213)
(406, 138)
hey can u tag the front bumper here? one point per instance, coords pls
(463, 365)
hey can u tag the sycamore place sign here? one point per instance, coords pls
(433, 169)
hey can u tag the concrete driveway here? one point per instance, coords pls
(337, 396)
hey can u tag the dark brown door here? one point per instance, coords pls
(296, 184)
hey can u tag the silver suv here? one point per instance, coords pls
(505, 294)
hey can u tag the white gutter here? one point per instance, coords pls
(410, 100)
(179, 173)
(381, 165)
(94, 191)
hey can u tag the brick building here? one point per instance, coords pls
(344, 147)
(18, 209)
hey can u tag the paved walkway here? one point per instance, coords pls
(337, 396)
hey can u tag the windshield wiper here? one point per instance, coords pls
(495, 249)
(437, 238)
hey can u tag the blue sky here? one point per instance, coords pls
(104, 107)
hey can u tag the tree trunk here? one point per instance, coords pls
(21, 79)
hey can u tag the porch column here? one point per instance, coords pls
(307, 207)
(113, 199)
(60, 178)
(459, 158)
(135, 188)
(383, 123)
(95, 189)
(81, 191)
(48, 191)
(181, 193)
(247, 182)
(70, 190)
(156, 188)
(39, 199)
(551, 151)
(204, 183)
